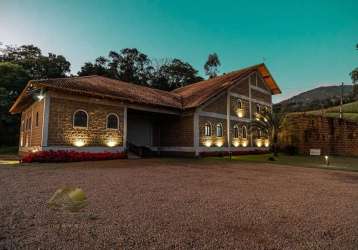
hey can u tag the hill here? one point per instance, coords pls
(321, 97)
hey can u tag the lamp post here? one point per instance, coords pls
(326, 159)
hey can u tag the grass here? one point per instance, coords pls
(335, 162)
(350, 111)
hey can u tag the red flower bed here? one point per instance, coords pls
(70, 156)
(225, 153)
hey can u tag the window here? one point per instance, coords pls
(239, 104)
(22, 125)
(30, 123)
(80, 119)
(207, 129)
(112, 121)
(37, 119)
(236, 131)
(258, 108)
(219, 130)
(244, 132)
(259, 133)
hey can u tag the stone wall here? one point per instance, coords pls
(62, 133)
(331, 135)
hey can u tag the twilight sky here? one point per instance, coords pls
(305, 44)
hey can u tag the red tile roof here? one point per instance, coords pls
(186, 97)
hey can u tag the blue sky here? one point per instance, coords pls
(304, 43)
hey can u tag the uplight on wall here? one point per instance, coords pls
(235, 143)
(267, 143)
(244, 142)
(111, 143)
(219, 142)
(259, 142)
(240, 112)
(79, 142)
(208, 143)
(257, 116)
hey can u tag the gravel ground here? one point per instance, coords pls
(179, 204)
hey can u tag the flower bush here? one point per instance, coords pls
(70, 156)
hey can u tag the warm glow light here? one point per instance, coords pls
(240, 112)
(208, 143)
(219, 142)
(326, 157)
(34, 150)
(236, 142)
(267, 143)
(244, 142)
(259, 143)
(257, 116)
(40, 97)
(79, 143)
(111, 143)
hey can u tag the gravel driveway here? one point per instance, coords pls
(180, 204)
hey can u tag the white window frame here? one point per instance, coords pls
(117, 121)
(242, 132)
(208, 124)
(236, 127)
(73, 119)
(216, 129)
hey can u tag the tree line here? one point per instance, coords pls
(19, 64)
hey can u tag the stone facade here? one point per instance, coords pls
(331, 135)
(61, 131)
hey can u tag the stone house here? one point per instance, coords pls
(96, 114)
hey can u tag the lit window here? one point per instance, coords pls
(258, 108)
(236, 131)
(239, 104)
(219, 130)
(244, 132)
(80, 119)
(207, 129)
(112, 121)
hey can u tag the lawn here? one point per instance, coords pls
(335, 162)
(180, 204)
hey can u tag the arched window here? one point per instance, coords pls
(37, 119)
(112, 121)
(219, 130)
(239, 104)
(259, 133)
(207, 129)
(244, 132)
(236, 131)
(80, 119)
(258, 108)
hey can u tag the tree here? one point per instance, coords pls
(354, 77)
(12, 79)
(211, 65)
(269, 123)
(173, 74)
(34, 63)
(130, 65)
(100, 67)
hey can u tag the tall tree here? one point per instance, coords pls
(211, 66)
(12, 79)
(173, 74)
(131, 65)
(34, 63)
(100, 67)
(354, 77)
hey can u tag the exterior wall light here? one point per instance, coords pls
(208, 143)
(219, 142)
(111, 143)
(79, 142)
(240, 112)
(259, 142)
(326, 159)
(244, 142)
(267, 143)
(40, 97)
(257, 116)
(235, 143)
